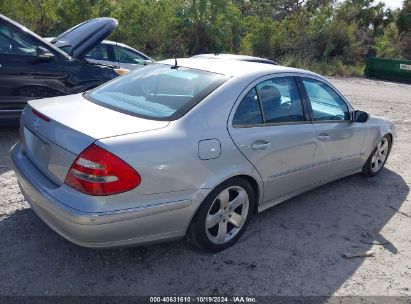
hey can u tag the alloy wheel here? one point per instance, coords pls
(380, 155)
(227, 214)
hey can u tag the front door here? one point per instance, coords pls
(339, 138)
(272, 130)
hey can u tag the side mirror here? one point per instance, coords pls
(147, 62)
(44, 54)
(361, 116)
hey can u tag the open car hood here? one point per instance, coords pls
(82, 38)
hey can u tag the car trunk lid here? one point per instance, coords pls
(56, 130)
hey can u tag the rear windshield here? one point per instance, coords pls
(157, 91)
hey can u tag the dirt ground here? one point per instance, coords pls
(293, 249)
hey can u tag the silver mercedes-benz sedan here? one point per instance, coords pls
(189, 147)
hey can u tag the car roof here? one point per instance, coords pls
(111, 42)
(236, 57)
(114, 43)
(233, 67)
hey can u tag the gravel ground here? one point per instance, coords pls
(293, 249)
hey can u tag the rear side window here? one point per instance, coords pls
(275, 100)
(280, 100)
(248, 112)
(157, 91)
(325, 102)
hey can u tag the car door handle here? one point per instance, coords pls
(260, 145)
(323, 136)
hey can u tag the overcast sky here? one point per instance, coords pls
(393, 4)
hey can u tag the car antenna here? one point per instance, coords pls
(118, 59)
(175, 66)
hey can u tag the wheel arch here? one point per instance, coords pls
(250, 179)
(257, 193)
(391, 136)
(192, 228)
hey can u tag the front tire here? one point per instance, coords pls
(223, 216)
(378, 157)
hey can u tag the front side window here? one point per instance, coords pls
(158, 91)
(127, 56)
(13, 43)
(326, 104)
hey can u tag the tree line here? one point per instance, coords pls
(328, 36)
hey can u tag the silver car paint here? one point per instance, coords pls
(72, 114)
(175, 179)
(145, 225)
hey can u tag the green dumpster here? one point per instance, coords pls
(392, 69)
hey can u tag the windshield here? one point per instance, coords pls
(157, 91)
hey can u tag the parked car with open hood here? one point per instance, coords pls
(115, 54)
(198, 147)
(31, 67)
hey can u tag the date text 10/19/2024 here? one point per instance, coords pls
(205, 299)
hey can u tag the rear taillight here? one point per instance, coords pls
(98, 172)
(40, 115)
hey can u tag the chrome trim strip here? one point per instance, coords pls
(272, 177)
(332, 121)
(274, 124)
(84, 218)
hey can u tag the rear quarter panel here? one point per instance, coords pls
(168, 159)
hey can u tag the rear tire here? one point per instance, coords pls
(378, 157)
(223, 216)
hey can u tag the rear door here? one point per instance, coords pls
(270, 126)
(339, 138)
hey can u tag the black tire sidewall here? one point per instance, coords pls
(367, 170)
(197, 228)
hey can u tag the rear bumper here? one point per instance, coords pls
(141, 225)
